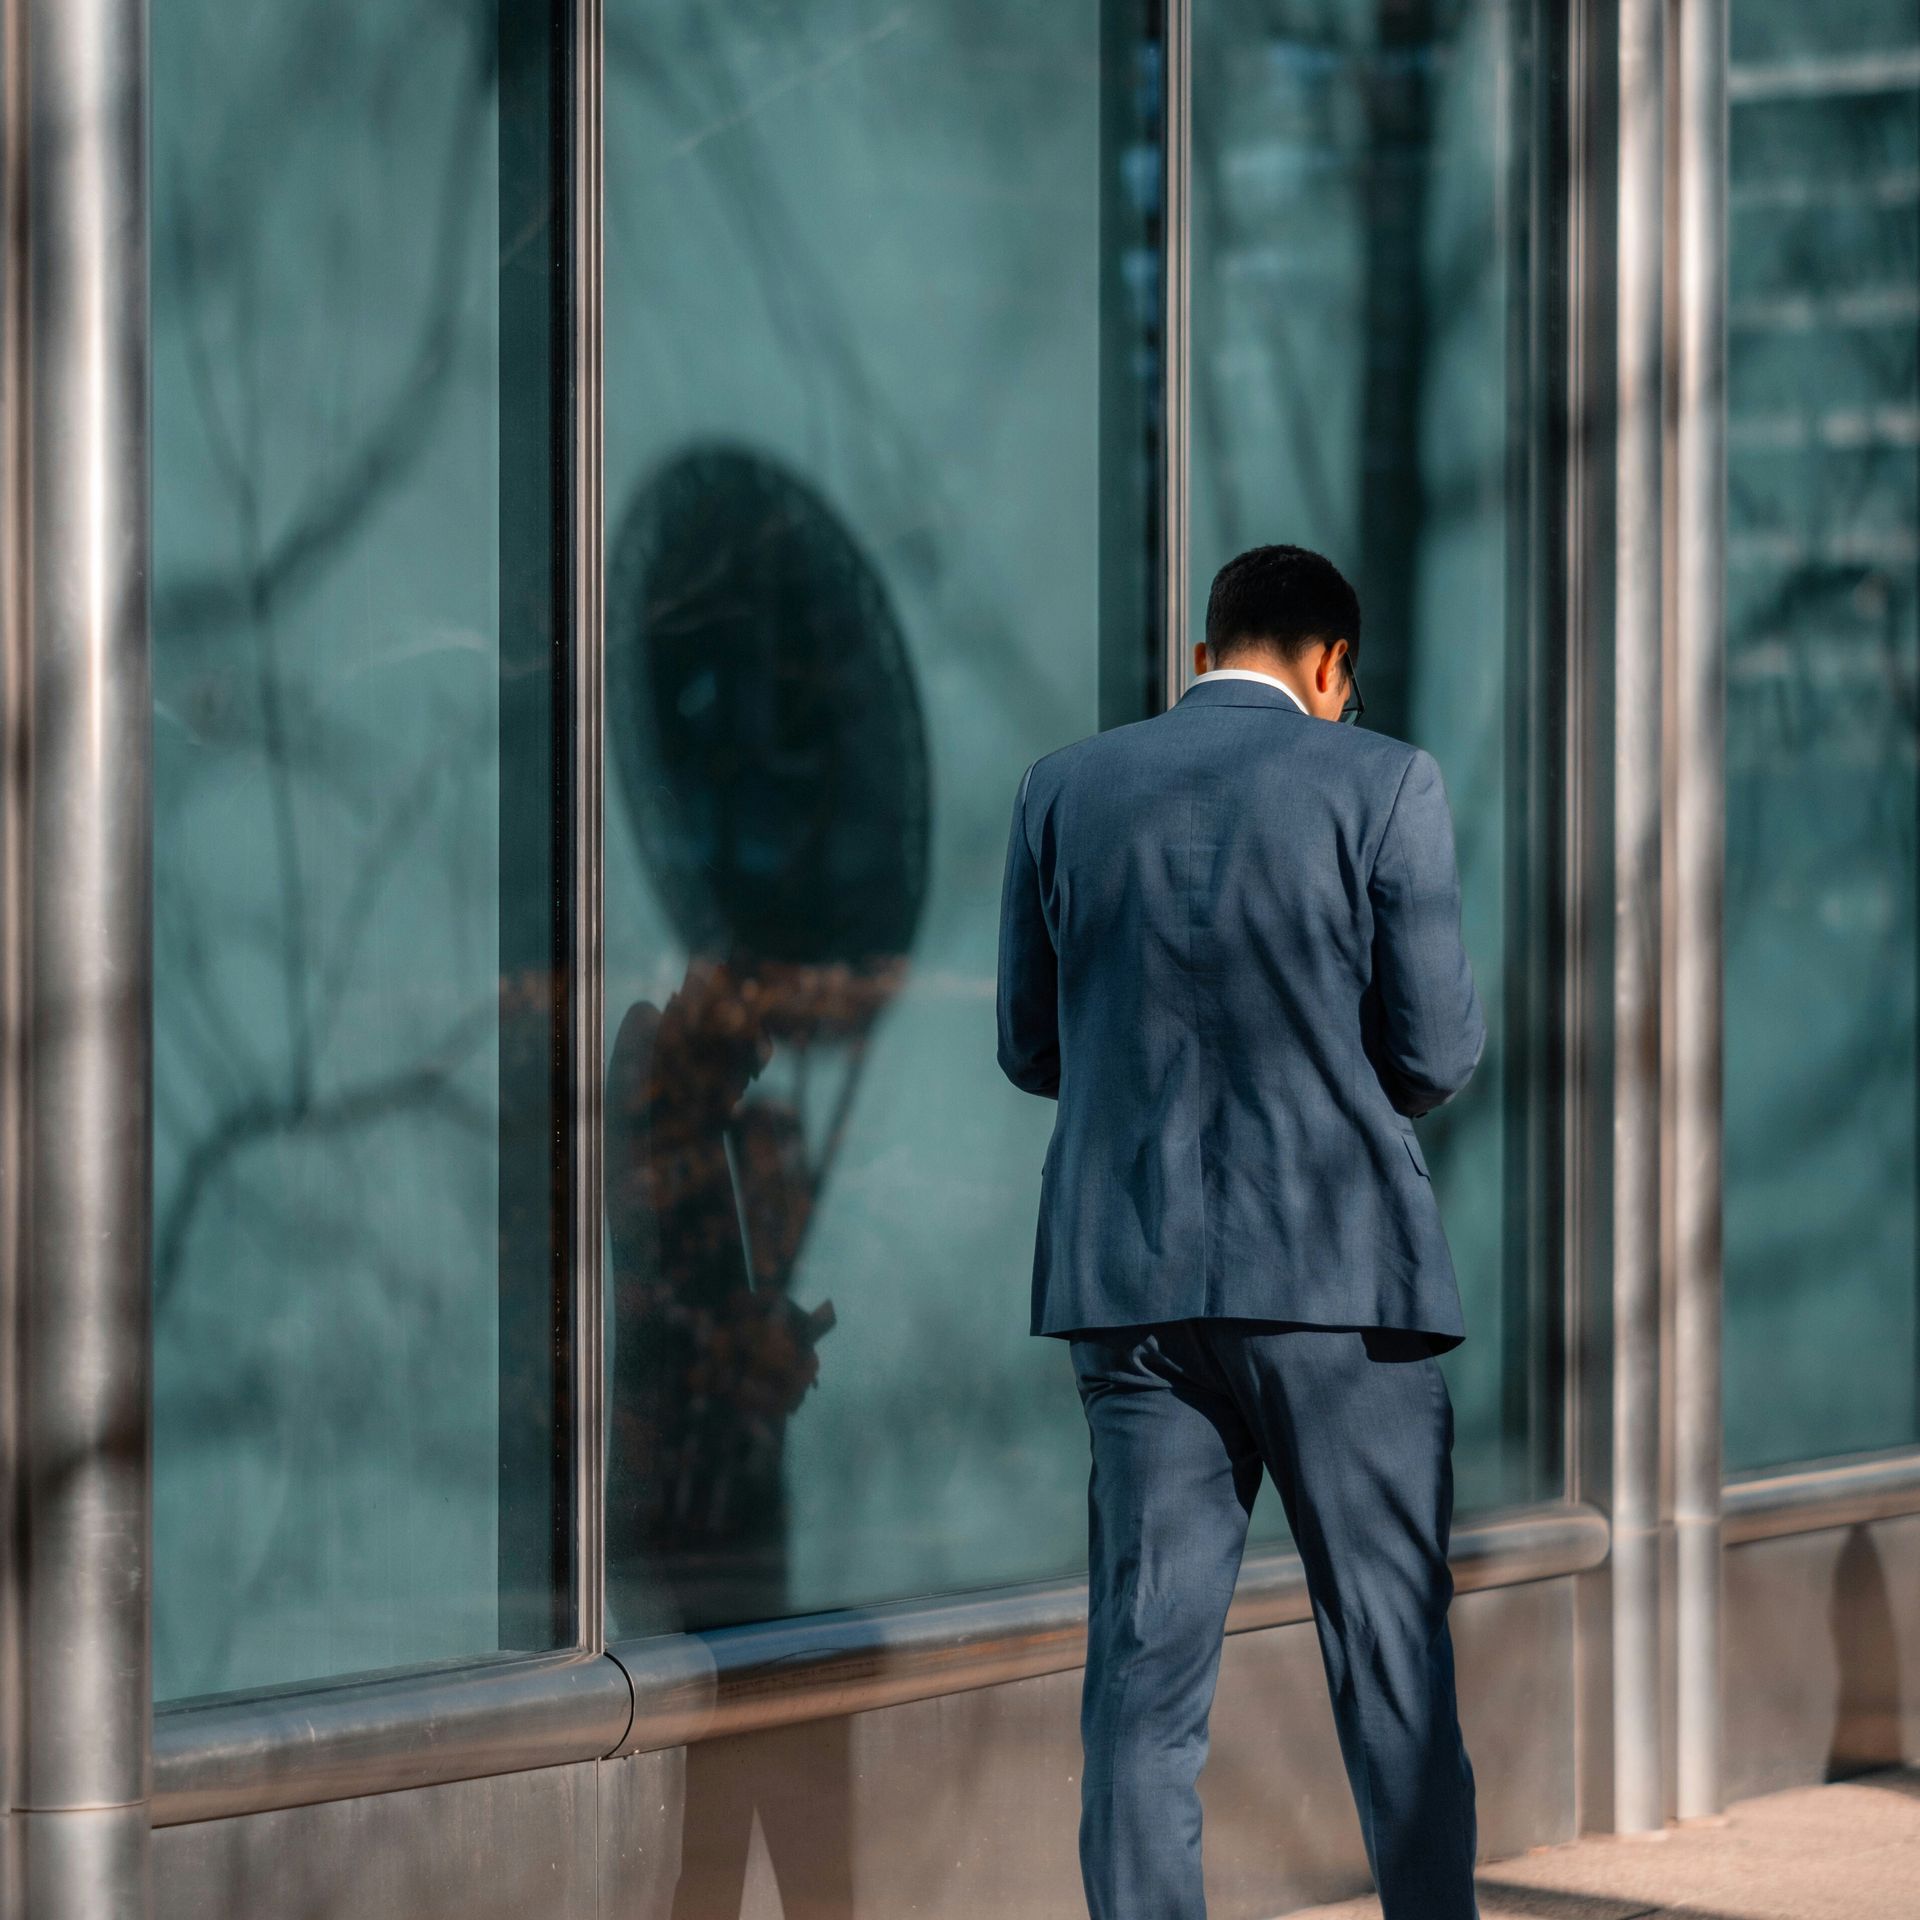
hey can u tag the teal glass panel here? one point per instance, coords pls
(1822, 1339)
(359, 869)
(883, 301)
(1374, 324)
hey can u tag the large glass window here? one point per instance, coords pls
(1822, 1345)
(1375, 327)
(882, 339)
(359, 860)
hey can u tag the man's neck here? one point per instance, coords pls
(1268, 669)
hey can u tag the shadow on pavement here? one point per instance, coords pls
(1500, 1897)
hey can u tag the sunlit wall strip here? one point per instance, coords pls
(14, 689)
(1695, 810)
(1638, 1793)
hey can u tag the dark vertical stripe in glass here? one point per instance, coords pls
(536, 789)
(1133, 111)
(1532, 1319)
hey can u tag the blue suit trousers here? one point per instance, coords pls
(1356, 1427)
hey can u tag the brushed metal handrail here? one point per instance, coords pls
(698, 1686)
(1832, 1493)
(218, 1758)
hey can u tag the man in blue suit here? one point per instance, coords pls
(1230, 949)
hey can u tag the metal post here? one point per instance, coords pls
(1638, 1803)
(1177, 238)
(13, 872)
(1696, 824)
(1586, 996)
(586, 307)
(77, 638)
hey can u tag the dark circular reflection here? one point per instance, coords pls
(767, 732)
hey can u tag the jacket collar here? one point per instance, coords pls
(1240, 693)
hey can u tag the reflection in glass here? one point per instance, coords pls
(1370, 339)
(1822, 1342)
(358, 871)
(767, 726)
(882, 332)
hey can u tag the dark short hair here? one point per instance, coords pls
(1284, 597)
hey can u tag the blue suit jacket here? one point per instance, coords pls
(1230, 948)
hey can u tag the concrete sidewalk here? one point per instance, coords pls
(1847, 1852)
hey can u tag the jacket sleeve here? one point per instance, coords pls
(1027, 994)
(1432, 1031)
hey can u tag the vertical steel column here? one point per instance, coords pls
(13, 895)
(1696, 829)
(78, 456)
(587, 189)
(1638, 1794)
(1177, 233)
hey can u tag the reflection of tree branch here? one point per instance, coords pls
(804, 306)
(253, 597)
(286, 824)
(1378, 67)
(805, 311)
(835, 56)
(425, 1087)
(1303, 409)
(409, 814)
(342, 502)
(197, 1016)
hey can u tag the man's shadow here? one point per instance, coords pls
(796, 1783)
(1868, 1704)
(711, 1356)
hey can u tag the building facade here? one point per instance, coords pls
(538, 543)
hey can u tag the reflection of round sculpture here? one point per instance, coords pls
(767, 731)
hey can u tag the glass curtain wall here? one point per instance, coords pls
(882, 346)
(360, 635)
(883, 355)
(1822, 1341)
(1375, 339)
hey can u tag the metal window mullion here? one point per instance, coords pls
(1176, 371)
(1696, 827)
(587, 194)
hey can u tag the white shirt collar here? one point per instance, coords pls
(1251, 673)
